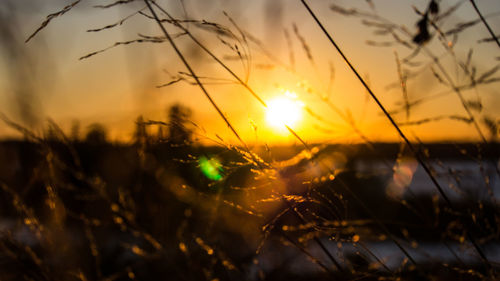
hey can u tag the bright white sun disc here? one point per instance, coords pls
(283, 111)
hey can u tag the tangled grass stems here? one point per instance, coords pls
(222, 115)
(244, 84)
(191, 71)
(212, 55)
(325, 219)
(415, 152)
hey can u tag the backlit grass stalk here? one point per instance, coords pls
(195, 77)
(398, 129)
(221, 63)
(320, 244)
(377, 101)
(473, 3)
(457, 89)
(211, 54)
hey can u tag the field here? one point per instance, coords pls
(389, 179)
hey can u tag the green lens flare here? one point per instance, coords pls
(211, 168)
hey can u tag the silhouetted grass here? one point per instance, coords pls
(167, 207)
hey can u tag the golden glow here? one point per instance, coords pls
(284, 110)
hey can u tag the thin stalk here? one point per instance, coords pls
(404, 89)
(221, 63)
(459, 94)
(316, 239)
(193, 74)
(375, 257)
(298, 137)
(368, 211)
(321, 245)
(212, 55)
(307, 253)
(377, 101)
(473, 3)
(395, 125)
(377, 221)
(457, 89)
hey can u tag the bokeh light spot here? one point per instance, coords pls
(211, 168)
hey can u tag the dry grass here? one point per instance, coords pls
(167, 207)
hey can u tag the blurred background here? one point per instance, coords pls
(114, 164)
(44, 77)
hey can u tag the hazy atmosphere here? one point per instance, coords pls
(284, 51)
(249, 140)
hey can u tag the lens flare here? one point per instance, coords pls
(403, 175)
(211, 168)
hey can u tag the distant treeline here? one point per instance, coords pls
(445, 150)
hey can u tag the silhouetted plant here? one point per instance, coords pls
(75, 131)
(228, 213)
(178, 131)
(96, 134)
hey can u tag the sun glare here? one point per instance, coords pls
(283, 111)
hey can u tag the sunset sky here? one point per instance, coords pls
(44, 78)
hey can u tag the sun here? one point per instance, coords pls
(283, 111)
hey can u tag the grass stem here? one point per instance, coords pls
(395, 125)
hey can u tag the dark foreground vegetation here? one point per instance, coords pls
(167, 208)
(88, 210)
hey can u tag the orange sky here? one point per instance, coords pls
(116, 86)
